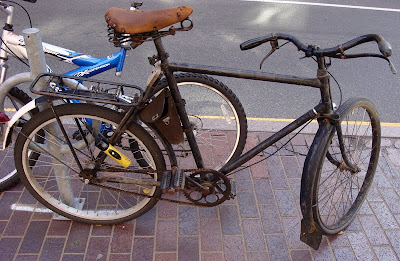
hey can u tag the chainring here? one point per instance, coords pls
(207, 187)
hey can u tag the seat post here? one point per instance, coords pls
(180, 104)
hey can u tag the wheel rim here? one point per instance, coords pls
(340, 191)
(217, 127)
(88, 202)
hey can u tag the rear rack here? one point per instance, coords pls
(78, 88)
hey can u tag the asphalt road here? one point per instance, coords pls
(220, 26)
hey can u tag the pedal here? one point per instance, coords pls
(178, 180)
(165, 181)
(233, 189)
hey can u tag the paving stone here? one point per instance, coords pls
(230, 221)
(143, 248)
(365, 209)
(188, 222)
(59, 228)
(122, 238)
(243, 180)
(167, 209)
(397, 144)
(394, 238)
(277, 247)
(323, 252)
(300, 255)
(7, 199)
(78, 238)
(359, 243)
(126, 257)
(26, 258)
(208, 212)
(286, 205)
(71, 257)
(52, 249)
(188, 249)
(381, 181)
(34, 237)
(145, 224)
(278, 178)
(374, 194)
(166, 235)
(291, 167)
(247, 204)
(253, 235)
(394, 156)
(8, 248)
(98, 248)
(263, 191)
(291, 227)
(391, 199)
(14, 227)
(257, 256)
(212, 257)
(355, 225)
(344, 254)
(270, 219)
(100, 230)
(384, 253)
(339, 240)
(233, 248)
(210, 235)
(383, 215)
(27, 198)
(3, 225)
(374, 232)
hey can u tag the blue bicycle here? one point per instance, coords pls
(217, 116)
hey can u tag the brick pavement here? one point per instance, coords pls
(262, 223)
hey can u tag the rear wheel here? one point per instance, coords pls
(340, 190)
(219, 120)
(103, 197)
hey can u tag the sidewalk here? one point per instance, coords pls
(262, 223)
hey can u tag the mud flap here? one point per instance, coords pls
(312, 236)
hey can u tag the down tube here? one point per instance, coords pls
(311, 114)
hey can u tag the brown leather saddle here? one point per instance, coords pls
(144, 21)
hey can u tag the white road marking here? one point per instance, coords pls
(328, 5)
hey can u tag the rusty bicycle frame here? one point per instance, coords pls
(323, 109)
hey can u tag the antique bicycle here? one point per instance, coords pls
(95, 178)
(211, 91)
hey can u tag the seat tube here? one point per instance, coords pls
(187, 126)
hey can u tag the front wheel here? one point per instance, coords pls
(339, 189)
(105, 196)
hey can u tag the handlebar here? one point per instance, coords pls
(311, 50)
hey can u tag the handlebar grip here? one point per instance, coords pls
(253, 43)
(30, 1)
(385, 48)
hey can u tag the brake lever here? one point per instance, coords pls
(349, 56)
(274, 45)
(391, 65)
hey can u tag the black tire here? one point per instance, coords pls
(338, 192)
(219, 119)
(15, 99)
(98, 205)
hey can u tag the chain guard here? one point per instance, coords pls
(221, 193)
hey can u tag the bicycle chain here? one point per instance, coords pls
(116, 169)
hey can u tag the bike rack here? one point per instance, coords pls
(37, 63)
